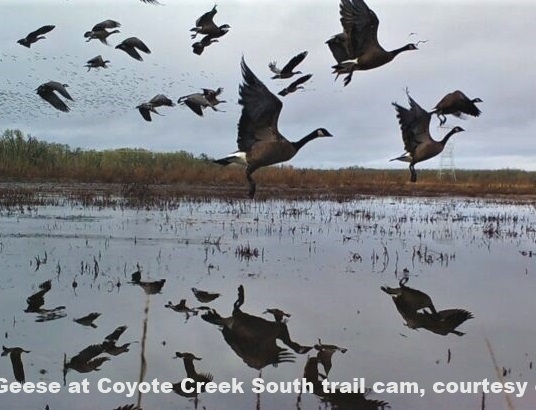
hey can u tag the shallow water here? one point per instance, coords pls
(322, 262)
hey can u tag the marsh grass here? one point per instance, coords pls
(143, 174)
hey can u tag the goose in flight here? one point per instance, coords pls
(357, 47)
(259, 141)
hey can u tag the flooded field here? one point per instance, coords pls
(410, 290)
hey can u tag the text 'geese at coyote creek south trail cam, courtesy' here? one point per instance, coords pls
(357, 47)
(259, 142)
(418, 143)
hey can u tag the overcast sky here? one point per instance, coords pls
(484, 48)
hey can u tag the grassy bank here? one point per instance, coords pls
(26, 159)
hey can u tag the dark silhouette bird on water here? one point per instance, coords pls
(131, 46)
(86, 361)
(96, 62)
(88, 320)
(47, 92)
(456, 103)
(16, 361)
(418, 143)
(150, 288)
(414, 299)
(357, 47)
(288, 70)
(35, 36)
(204, 296)
(279, 315)
(253, 338)
(295, 85)
(259, 141)
(191, 373)
(325, 353)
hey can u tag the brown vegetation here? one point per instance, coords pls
(136, 172)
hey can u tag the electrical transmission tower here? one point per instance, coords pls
(446, 162)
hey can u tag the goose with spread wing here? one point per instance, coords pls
(419, 145)
(456, 103)
(131, 46)
(259, 141)
(35, 36)
(47, 92)
(288, 70)
(357, 47)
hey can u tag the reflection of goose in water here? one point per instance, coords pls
(16, 361)
(150, 288)
(412, 298)
(88, 320)
(409, 302)
(337, 399)
(279, 315)
(254, 338)
(443, 323)
(325, 353)
(37, 300)
(85, 361)
(109, 345)
(191, 373)
(182, 308)
(204, 296)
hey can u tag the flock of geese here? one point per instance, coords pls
(260, 143)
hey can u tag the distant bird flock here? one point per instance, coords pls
(260, 144)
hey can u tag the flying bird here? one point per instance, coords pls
(100, 32)
(205, 25)
(259, 141)
(35, 36)
(131, 46)
(419, 145)
(288, 70)
(147, 108)
(96, 62)
(357, 47)
(295, 86)
(199, 46)
(47, 92)
(456, 103)
(197, 102)
(212, 96)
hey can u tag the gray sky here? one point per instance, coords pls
(484, 48)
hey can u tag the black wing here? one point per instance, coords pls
(260, 111)
(194, 107)
(159, 100)
(145, 111)
(206, 19)
(49, 96)
(106, 24)
(414, 124)
(59, 87)
(294, 61)
(40, 31)
(360, 25)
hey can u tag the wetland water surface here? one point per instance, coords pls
(324, 263)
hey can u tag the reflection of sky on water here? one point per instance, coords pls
(308, 265)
